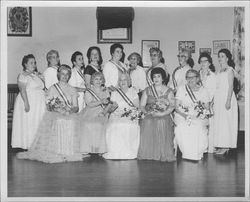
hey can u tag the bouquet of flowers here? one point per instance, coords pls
(160, 105)
(57, 105)
(133, 113)
(202, 112)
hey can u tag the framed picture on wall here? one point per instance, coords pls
(19, 21)
(219, 44)
(145, 46)
(115, 35)
(187, 45)
(207, 50)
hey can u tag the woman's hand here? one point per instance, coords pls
(27, 107)
(228, 105)
(104, 101)
(111, 88)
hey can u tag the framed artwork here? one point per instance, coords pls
(208, 50)
(19, 21)
(188, 45)
(219, 44)
(115, 35)
(145, 46)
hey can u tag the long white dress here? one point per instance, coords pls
(209, 83)
(191, 137)
(225, 121)
(77, 81)
(25, 124)
(122, 135)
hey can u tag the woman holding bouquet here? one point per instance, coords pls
(56, 139)
(191, 118)
(157, 133)
(94, 117)
(123, 131)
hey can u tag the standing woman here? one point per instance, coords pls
(77, 79)
(157, 132)
(95, 61)
(225, 105)
(114, 67)
(136, 72)
(29, 106)
(179, 74)
(208, 79)
(50, 74)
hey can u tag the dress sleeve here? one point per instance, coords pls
(109, 75)
(72, 80)
(48, 77)
(22, 79)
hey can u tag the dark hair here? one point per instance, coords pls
(63, 67)
(123, 57)
(115, 46)
(26, 59)
(73, 57)
(228, 54)
(159, 70)
(139, 59)
(209, 58)
(190, 62)
(162, 60)
(99, 52)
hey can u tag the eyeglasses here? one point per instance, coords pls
(154, 55)
(190, 77)
(203, 61)
(181, 56)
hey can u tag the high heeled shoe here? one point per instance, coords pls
(223, 151)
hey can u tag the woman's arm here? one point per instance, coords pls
(230, 89)
(143, 101)
(75, 107)
(23, 92)
(87, 80)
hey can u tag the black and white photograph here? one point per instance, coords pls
(124, 101)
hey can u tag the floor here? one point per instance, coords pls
(95, 177)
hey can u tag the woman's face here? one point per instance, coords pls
(182, 58)
(123, 82)
(97, 81)
(222, 59)
(31, 65)
(204, 63)
(117, 55)
(192, 79)
(79, 61)
(157, 79)
(64, 76)
(155, 59)
(133, 61)
(94, 56)
(54, 60)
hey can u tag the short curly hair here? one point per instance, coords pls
(97, 74)
(128, 79)
(63, 67)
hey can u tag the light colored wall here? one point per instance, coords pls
(71, 29)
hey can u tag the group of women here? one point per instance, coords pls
(67, 114)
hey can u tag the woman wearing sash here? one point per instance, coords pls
(208, 79)
(191, 129)
(114, 67)
(95, 62)
(56, 138)
(179, 74)
(123, 134)
(94, 117)
(156, 59)
(29, 105)
(157, 132)
(225, 105)
(77, 79)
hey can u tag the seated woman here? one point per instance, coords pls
(56, 139)
(94, 117)
(192, 103)
(123, 134)
(157, 131)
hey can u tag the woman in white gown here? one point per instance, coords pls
(225, 105)
(29, 106)
(123, 134)
(208, 79)
(191, 129)
(57, 138)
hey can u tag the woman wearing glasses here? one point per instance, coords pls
(179, 74)
(208, 79)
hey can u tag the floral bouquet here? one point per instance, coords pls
(57, 105)
(202, 112)
(160, 105)
(133, 113)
